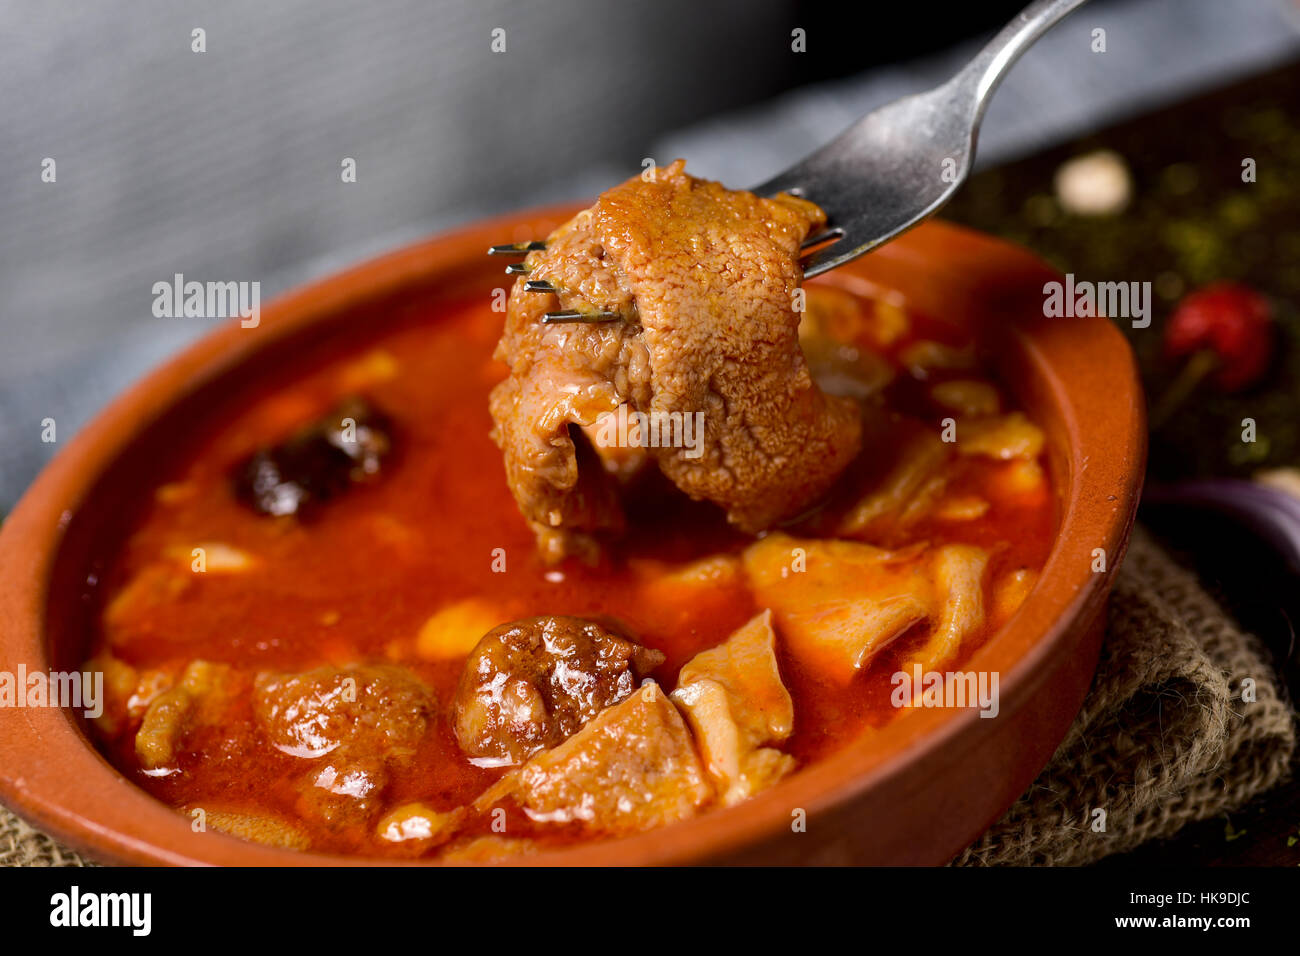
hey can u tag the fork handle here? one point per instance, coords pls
(981, 76)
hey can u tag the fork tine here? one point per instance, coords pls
(517, 248)
(539, 285)
(517, 269)
(821, 260)
(828, 235)
(813, 251)
(573, 315)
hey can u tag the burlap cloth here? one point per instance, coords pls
(1164, 737)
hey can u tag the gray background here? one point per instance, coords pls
(225, 165)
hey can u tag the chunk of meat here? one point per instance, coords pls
(632, 768)
(120, 683)
(905, 492)
(703, 281)
(162, 728)
(354, 724)
(346, 446)
(1021, 480)
(199, 697)
(258, 828)
(958, 574)
(417, 827)
(382, 711)
(530, 684)
(348, 786)
(967, 396)
(831, 334)
(1009, 592)
(1006, 437)
(735, 702)
(838, 604)
(960, 507)
(745, 666)
(924, 357)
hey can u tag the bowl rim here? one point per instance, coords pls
(54, 777)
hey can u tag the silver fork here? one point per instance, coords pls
(891, 169)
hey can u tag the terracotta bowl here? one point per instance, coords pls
(914, 794)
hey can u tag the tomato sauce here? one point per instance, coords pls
(356, 582)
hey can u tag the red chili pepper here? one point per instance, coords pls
(1229, 320)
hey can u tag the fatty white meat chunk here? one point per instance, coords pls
(734, 700)
(838, 604)
(632, 768)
